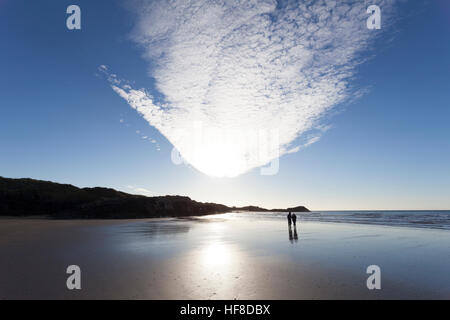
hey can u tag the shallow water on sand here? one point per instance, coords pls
(226, 256)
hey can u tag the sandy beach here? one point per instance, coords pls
(226, 256)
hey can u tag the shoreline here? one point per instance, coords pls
(300, 221)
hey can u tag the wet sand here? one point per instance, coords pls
(227, 256)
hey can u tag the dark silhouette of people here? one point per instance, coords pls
(292, 218)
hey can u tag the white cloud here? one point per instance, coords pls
(311, 140)
(294, 150)
(140, 191)
(229, 70)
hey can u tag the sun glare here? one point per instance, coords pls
(216, 254)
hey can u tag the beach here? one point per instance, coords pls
(223, 256)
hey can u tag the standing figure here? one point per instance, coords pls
(289, 218)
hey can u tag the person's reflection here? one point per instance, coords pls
(293, 235)
(290, 234)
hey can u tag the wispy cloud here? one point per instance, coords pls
(245, 66)
(141, 191)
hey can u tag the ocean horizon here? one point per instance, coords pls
(432, 219)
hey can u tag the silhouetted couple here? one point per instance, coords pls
(292, 218)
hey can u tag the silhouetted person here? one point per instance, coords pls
(289, 218)
(294, 219)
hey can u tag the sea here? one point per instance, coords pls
(432, 219)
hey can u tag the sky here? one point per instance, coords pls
(341, 117)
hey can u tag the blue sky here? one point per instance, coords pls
(61, 121)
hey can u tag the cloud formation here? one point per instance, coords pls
(234, 74)
(140, 191)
